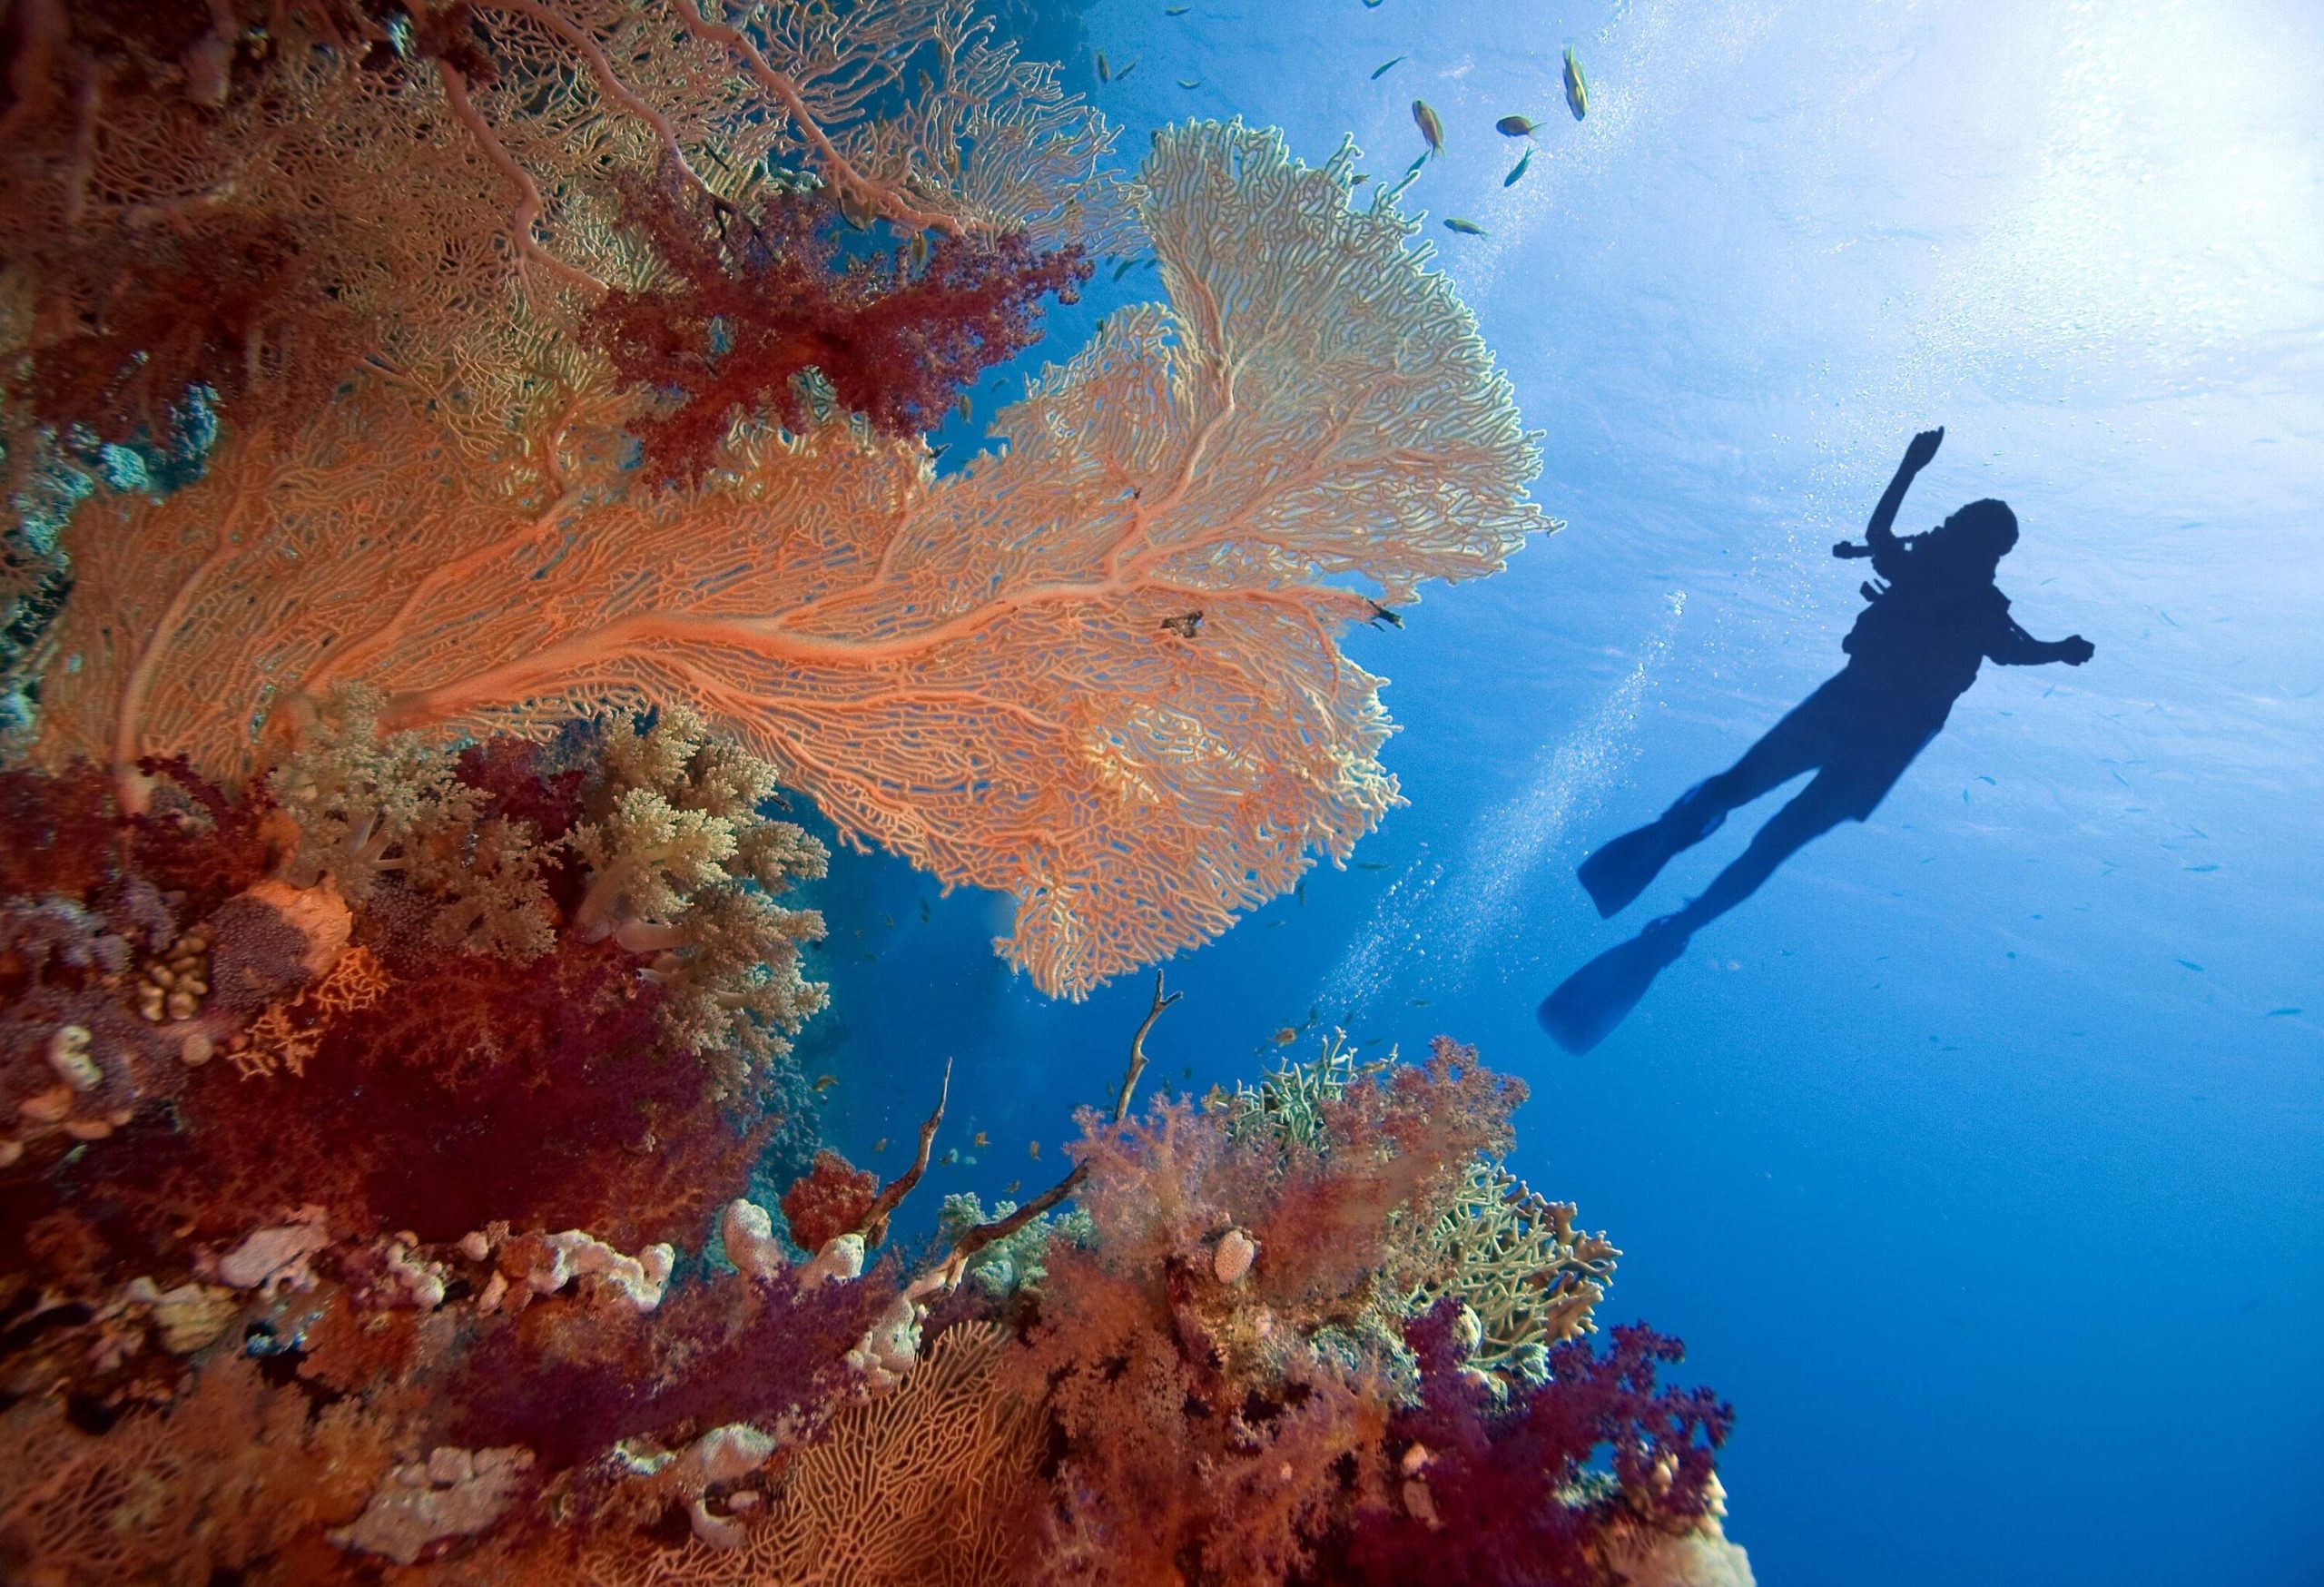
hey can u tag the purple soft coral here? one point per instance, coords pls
(1505, 1496)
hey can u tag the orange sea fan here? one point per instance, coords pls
(1096, 671)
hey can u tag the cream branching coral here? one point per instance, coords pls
(367, 807)
(1514, 1258)
(682, 868)
(991, 674)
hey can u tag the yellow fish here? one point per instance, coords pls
(880, 1144)
(979, 1139)
(1033, 1150)
(1577, 86)
(824, 1083)
(1432, 129)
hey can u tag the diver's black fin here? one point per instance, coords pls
(1617, 873)
(1593, 999)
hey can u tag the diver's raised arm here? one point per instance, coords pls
(1880, 533)
(2016, 647)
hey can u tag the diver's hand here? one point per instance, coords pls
(1923, 449)
(2074, 650)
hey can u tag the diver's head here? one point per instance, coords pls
(1982, 531)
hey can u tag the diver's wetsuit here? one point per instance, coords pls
(1913, 651)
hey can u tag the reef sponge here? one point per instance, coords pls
(981, 673)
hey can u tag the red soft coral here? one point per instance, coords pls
(828, 1200)
(758, 302)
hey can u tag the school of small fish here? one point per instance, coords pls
(1576, 84)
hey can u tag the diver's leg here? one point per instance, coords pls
(1839, 793)
(1806, 738)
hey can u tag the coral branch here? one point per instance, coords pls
(873, 1226)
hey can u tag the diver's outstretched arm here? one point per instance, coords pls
(2018, 648)
(1880, 533)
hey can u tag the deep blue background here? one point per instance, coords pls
(1976, 1159)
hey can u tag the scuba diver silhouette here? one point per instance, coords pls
(1934, 618)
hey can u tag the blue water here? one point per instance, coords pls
(1975, 1157)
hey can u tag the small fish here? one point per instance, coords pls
(2192, 965)
(1186, 626)
(1124, 268)
(1371, 864)
(1126, 71)
(1299, 893)
(1033, 1150)
(1361, 178)
(1190, 82)
(1276, 926)
(1187, 1073)
(1381, 70)
(952, 1157)
(880, 1146)
(1286, 1037)
(960, 406)
(1175, 10)
(1381, 614)
(980, 1139)
(923, 912)
(1515, 127)
(1518, 169)
(1466, 229)
(1577, 86)
(1372, 4)
(920, 251)
(2281, 1013)
(1106, 73)
(1012, 1187)
(1419, 1002)
(2201, 870)
(824, 1083)
(889, 921)
(1431, 128)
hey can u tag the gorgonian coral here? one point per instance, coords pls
(975, 672)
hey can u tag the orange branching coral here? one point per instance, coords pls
(230, 1475)
(990, 675)
(930, 1483)
(287, 1035)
